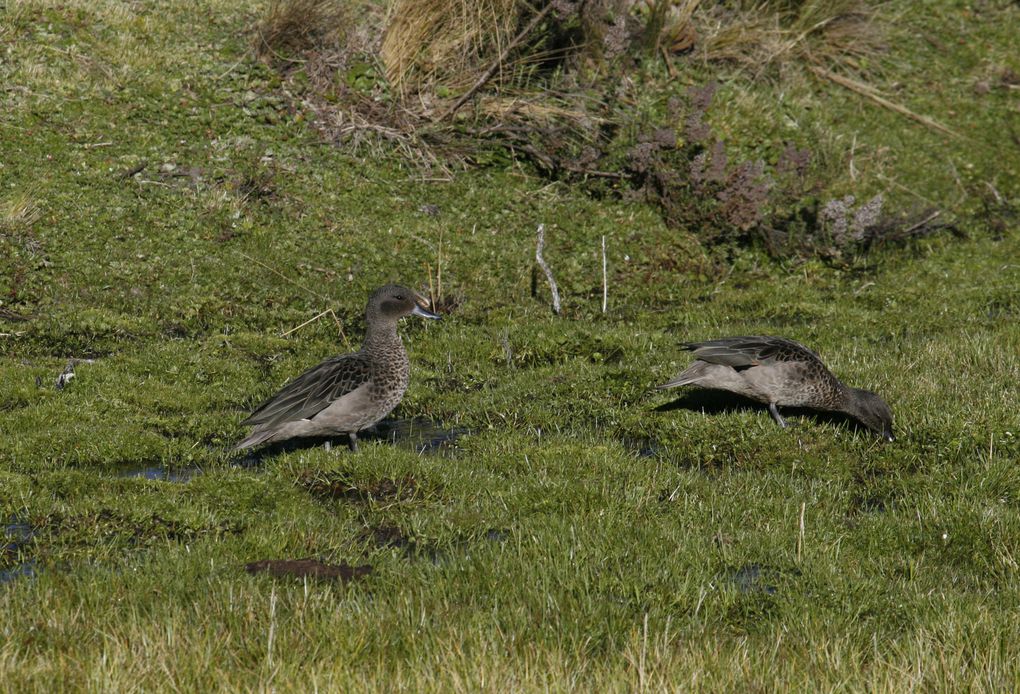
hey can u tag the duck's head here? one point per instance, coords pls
(872, 412)
(393, 302)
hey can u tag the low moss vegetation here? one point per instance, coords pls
(169, 224)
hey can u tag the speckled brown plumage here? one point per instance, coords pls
(779, 372)
(348, 393)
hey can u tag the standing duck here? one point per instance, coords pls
(777, 371)
(348, 393)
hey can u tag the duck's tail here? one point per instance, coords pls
(715, 376)
(257, 436)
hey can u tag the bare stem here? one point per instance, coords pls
(545, 268)
(869, 92)
(487, 75)
(605, 282)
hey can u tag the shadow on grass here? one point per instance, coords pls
(418, 434)
(715, 402)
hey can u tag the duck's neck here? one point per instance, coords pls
(382, 335)
(852, 402)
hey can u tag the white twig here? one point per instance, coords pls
(439, 269)
(500, 61)
(504, 339)
(605, 283)
(545, 268)
(853, 149)
(272, 627)
(800, 533)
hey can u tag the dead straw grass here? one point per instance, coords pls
(763, 35)
(290, 27)
(430, 41)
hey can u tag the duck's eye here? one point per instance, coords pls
(400, 297)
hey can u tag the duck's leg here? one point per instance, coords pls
(328, 445)
(776, 416)
(352, 441)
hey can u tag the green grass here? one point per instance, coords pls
(541, 552)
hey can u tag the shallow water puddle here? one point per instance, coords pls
(419, 434)
(751, 578)
(26, 569)
(160, 473)
(16, 534)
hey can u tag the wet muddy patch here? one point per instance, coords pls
(386, 536)
(308, 567)
(109, 526)
(412, 547)
(868, 503)
(344, 486)
(643, 447)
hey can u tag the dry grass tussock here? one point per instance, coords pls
(18, 214)
(761, 35)
(292, 26)
(432, 40)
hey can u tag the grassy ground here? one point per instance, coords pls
(589, 532)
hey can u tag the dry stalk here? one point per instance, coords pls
(870, 92)
(924, 222)
(800, 531)
(546, 269)
(314, 318)
(605, 283)
(487, 75)
(439, 269)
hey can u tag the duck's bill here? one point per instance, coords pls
(421, 309)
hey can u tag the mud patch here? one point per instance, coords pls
(871, 503)
(497, 535)
(642, 447)
(385, 536)
(107, 525)
(391, 537)
(308, 568)
(341, 485)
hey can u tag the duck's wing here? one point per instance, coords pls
(753, 350)
(313, 391)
